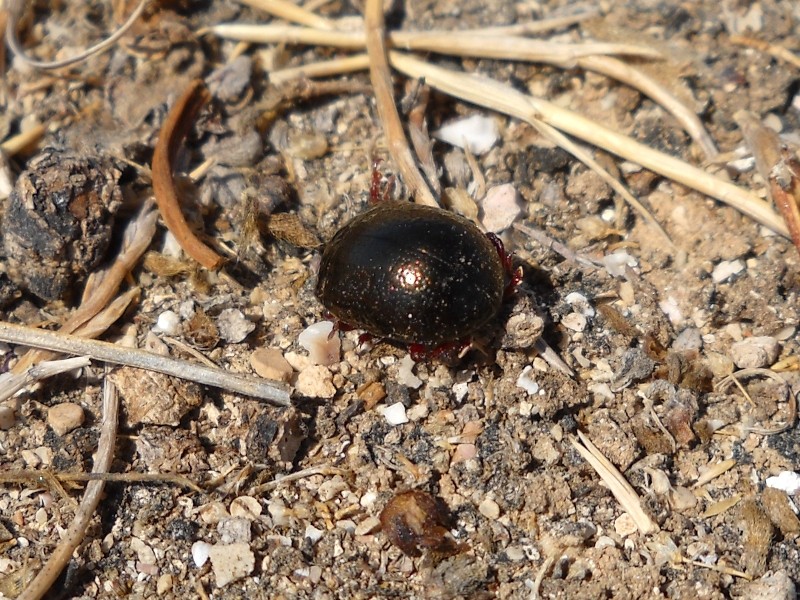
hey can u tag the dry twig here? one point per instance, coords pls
(270, 391)
(44, 580)
(387, 110)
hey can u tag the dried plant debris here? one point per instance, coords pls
(415, 521)
(59, 220)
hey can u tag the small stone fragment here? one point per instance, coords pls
(164, 584)
(395, 414)
(323, 348)
(501, 207)
(234, 326)
(727, 269)
(527, 382)
(245, 507)
(755, 352)
(774, 586)
(405, 373)
(489, 509)
(231, 562)
(574, 321)
(65, 417)
(269, 363)
(200, 551)
(315, 381)
(624, 525)
(7, 417)
(477, 132)
(234, 530)
(168, 322)
(367, 526)
(313, 534)
(371, 393)
(788, 481)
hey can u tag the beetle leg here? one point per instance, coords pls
(507, 258)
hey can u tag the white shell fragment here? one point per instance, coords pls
(477, 133)
(323, 348)
(405, 374)
(168, 322)
(755, 352)
(200, 552)
(501, 207)
(726, 270)
(788, 481)
(395, 414)
(617, 262)
(526, 381)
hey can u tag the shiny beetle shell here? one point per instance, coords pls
(411, 273)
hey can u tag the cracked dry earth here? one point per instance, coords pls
(506, 506)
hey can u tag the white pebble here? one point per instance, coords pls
(526, 382)
(624, 525)
(755, 352)
(727, 269)
(313, 534)
(200, 552)
(580, 303)
(617, 262)
(405, 374)
(788, 481)
(234, 326)
(231, 562)
(395, 414)
(489, 509)
(477, 132)
(574, 321)
(500, 207)
(168, 322)
(323, 348)
(315, 381)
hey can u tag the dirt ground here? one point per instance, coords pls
(648, 331)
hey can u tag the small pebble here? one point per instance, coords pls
(313, 534)
(7, 418)
(788, 481)
(168, 322)
(200, 552)
(405, 373)
(368, 525)
(269, 363)
(395, 414)
(245, 507)
(234, 326)
(617, 263)
(489, 509)
(501, 207)
(65, 417)
(477, 132)
(604, 541)
(574, 321)
(315, 381)
(526, 381)
(231, 562)
(727, 269)
(234, 530)
(144, 553)
(163, 584)
(624, 525)
(323, 348)
(515, 553)
(580, 303)
(690, 338)
(755, 352)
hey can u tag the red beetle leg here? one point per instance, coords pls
(448, 352)
(514, 275)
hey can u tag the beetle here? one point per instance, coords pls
(414, 274)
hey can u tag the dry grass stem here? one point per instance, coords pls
(284, 479)
(625, 73)
(540, 25)
(619, 486)
(455, 43)
(45, 579)
(15, 9)
(788, 396)
(772, 49)
(21, 141)
(323, 68)
(270, 391)
(28, 475)
(503, 98)
(176, 126)
(580, 260)
(11, 383)
(381, 79)
(283, 9)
